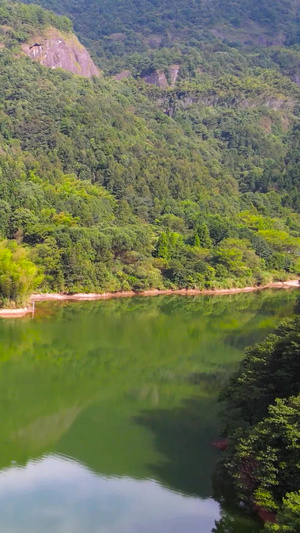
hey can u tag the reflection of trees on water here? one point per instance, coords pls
(129, 356)
(235, 523)
(266, 321)
(233, 519)
(263, 302)
(297, 306)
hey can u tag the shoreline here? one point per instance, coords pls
(47, 297)
(16, 313)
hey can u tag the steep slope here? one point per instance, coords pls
(114, 28)
(108, 17)
(45, 38)
(115, 185)
(54, 49)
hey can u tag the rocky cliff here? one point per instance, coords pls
(159, 78)
(55, 49)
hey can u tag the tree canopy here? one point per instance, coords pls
(262, 406)
(117, 185)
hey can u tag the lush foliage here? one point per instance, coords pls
(19, 276)
(262, 413)
(125, 185)
(19, 21)
(154, 390)
(288, 518)
(125, 32)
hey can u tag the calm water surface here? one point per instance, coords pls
(108, 411)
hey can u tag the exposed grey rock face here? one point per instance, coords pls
(296, 79)
(174, 71)
(57, 50)
(157, 77)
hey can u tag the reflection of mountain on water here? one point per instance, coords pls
(127, 387)
(139, 434)
(45, 431)
(172, 446)
(184, 438)
(130, 438)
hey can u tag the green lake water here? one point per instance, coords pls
(109, 410)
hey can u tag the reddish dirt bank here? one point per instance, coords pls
(157, 292)
(8, 313)
(15, 313)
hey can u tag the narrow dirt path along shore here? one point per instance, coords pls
(20, 312)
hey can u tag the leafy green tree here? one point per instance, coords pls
(267, 462)
(196, 240)
(268, 371)
(19, 276)
(262, 406)
(163, 246)
(195, 184)
(288, 518)
(48, 255)
(204, 236)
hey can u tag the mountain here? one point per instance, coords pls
(121, 32)
(181, 172)
(54, 49)
(45, 38)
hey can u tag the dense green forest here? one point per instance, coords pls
(121, 33)
(108, 185)
(261, 411)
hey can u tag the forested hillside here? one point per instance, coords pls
(111, 185)
(118, 29)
